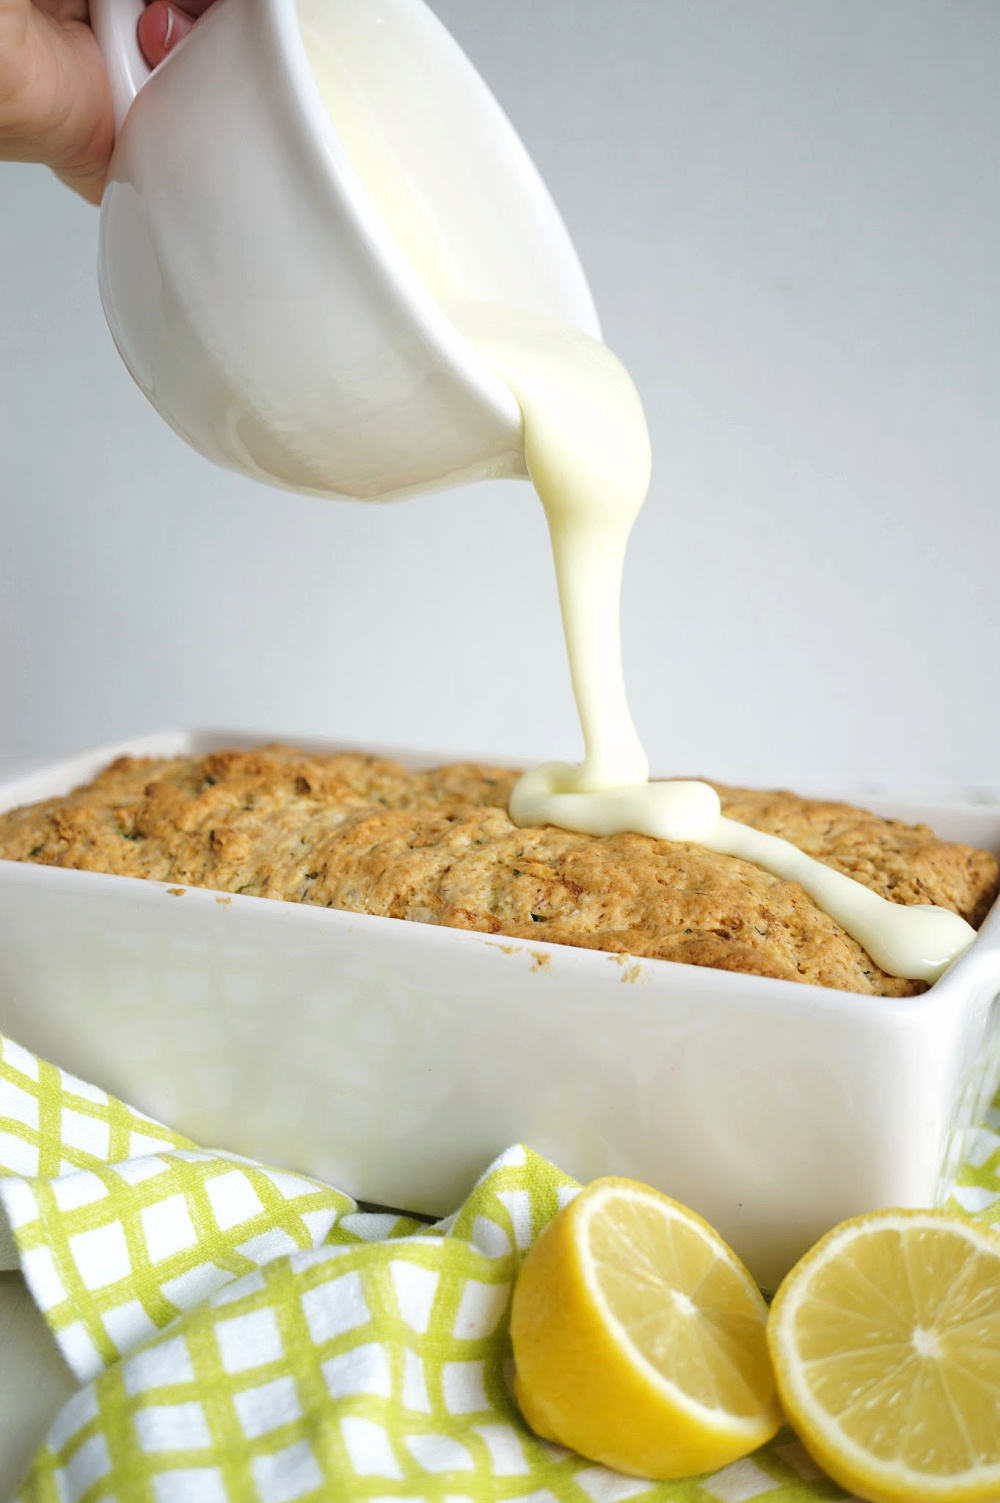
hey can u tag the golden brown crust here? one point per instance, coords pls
(363, 834)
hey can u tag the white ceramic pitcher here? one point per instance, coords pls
(254, 292)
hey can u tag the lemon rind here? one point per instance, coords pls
(720, 1421)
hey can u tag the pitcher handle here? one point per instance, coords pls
(115, 24)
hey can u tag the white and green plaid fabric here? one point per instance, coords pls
(249, 1336)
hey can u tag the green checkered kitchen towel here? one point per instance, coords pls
(249, 1336)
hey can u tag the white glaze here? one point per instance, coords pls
(586, 446)
(587, 450)
(917, 941)
(668, 811)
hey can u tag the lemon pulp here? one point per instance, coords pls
(886, 1345)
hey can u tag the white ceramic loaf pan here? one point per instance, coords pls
(395, 1059)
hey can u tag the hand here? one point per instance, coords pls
(55, 105)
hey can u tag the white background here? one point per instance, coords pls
(790, 214)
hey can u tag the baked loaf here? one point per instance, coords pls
(363, 834)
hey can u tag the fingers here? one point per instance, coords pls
(89, 183)
(161, 27)
(65, 10)
(55, 105)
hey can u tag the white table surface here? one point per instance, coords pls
(34, 1380)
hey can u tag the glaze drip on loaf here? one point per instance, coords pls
(366, 835)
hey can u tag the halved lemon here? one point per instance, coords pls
(886, 1347)
(639, 1337)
